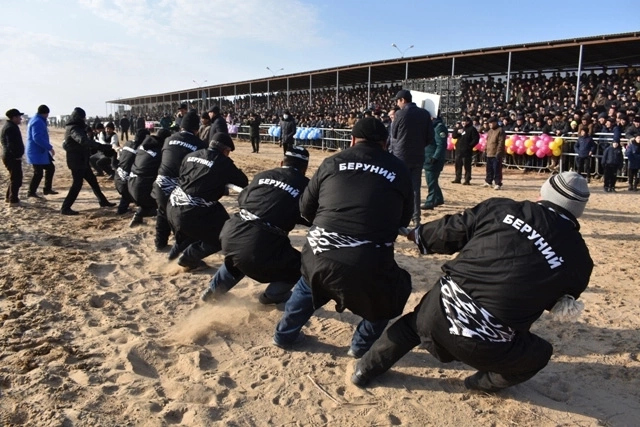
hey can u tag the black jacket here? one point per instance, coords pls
(77, 144)
(218, 124)
(12, 145)
(125, 162)
(516, 259)
(193, 207)
(287, 130)
(260, 247)
(175, 148)
(254, 126)
(468, 137)
(125, 124)
(144, 171)
(412, 131)
(364, 195)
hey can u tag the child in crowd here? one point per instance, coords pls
(612, 161)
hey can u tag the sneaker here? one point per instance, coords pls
(497, 187)
(34, 195)
(486, 185)
(466, 183)
(106, 204)
(264, 299)
(69, 211)
(288, 346)
(472, 382)
(15, 205)
(198, 265)
(359, 378)
(356, 354)
(210, 295)
(455, 181)
(427, 207)
(136, 220)
(49, 192)
(175, 251)
(436, 204)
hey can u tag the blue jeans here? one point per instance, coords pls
(225, 279)
(298, 311)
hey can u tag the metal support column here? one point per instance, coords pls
(579, 72)
(506, 96)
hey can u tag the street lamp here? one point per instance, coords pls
(402, 52)
(199, 94)
(275, 72)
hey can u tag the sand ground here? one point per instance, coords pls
(98, 329)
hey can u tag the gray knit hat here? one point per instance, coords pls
(569, 190)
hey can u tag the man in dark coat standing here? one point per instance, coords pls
(412, 131)
(287, 131)
(12, 152)
(255, 240)
(254, 132)
(357, 200)
(515, 260)
(218, 123)
(77, 144)
(193, 210)
(125, 124)
(468, 137)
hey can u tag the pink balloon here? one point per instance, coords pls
(521, 149)
(540, 154)
(450, 145)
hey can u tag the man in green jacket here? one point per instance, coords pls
(434, 155)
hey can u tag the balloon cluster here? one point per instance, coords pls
(301, 132)
(532, 145)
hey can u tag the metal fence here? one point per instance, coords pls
(340, 139)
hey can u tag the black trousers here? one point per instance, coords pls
(463, 160)
(163, 228)
(610, 173)
(633, 178)
(583, 165)
(124, 134)
(14, 166)
(38, 172)
(503, 364)
(255, 143)
(78, 176)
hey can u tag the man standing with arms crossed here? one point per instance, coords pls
(412, 131)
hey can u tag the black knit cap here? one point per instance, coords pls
(190, 121)
(371, 129)
(222, 141)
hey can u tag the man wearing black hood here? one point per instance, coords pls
(193, 210)
(287, 130)
(175, 148)
(77, 144)
(218, 123)
(357, 200)
(125, 162)
(255, 240)
(143, 175)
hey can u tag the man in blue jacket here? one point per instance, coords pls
(584, 148)
(40, 153)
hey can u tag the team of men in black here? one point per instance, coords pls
(515, 259)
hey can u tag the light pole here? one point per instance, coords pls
(402, 52)
(199, 94)
(275, 72)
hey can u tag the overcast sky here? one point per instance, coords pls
(84, 52)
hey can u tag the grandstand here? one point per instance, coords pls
(580, 55)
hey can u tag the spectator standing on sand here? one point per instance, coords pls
(40, 153)
(12, 152)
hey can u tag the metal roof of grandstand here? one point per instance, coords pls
(611, 51)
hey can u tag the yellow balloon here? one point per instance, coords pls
(553, 145)
(556, 151)
(508, 142)
(529, 151)
(558, 141)
(510, 150)
(528, 143)
(454, 140)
